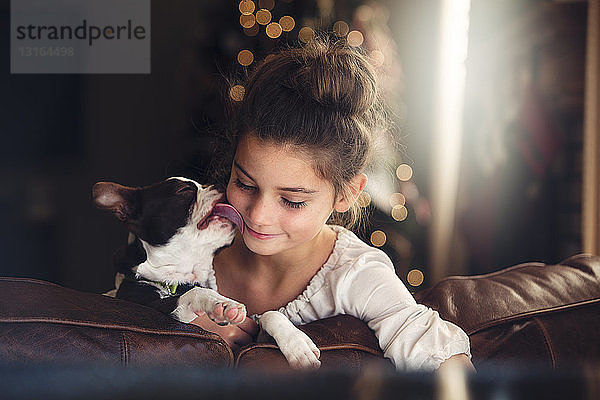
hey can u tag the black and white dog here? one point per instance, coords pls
(176, 226)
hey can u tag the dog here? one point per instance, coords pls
(175, 229)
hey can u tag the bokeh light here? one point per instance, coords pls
(287, 23)
(355, 38)
(252, 31)
(268, 4)
(247, 21)
(341, 28)
(246, 7)
(404, 172)
(397, 199)
(263, 16)
(237, 93)
(399, 213)
(364, 200)
(378, 238)
(306, 34)
(273, 30)
(415, 277)
(377, 58)
(245, 57)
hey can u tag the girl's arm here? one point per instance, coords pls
(412, 335)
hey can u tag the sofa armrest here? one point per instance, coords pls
(345, 342)
(41, 322)
(529, 313)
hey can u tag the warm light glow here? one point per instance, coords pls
(263, 16)
(341, 28)
(237, 93)
(268, 4)
(364, 200)
(245, 57)
(247, 21)
(273, 30)
(306, 34)
(355, 38)
(397, 199)
(399, 213)
(287, 23)
(246, 7)
(404, 172)
(378, 238)
(415, 277)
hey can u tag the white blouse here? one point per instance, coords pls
(360, 280)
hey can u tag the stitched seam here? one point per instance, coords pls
(208, 336)
(547, 341)
(123, 346)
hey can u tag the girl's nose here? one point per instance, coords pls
(260, 212)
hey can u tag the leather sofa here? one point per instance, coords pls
(530, 314)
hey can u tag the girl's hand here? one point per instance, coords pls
(235, 336)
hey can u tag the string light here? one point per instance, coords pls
(306, 34)
(263, 16)
(273, 30)
(404, 172)
(237, 93)
(355, 38)
(415, 277)
(245, 57)
(246, 7)
(341, 28)
(287, 23)
(378, 238)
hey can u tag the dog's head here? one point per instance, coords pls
(157, 212)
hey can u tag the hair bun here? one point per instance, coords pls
(337, 77)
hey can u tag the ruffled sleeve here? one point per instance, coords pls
(412, 335)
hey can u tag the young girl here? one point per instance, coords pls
(303, 135)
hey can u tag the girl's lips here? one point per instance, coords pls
(261, 236)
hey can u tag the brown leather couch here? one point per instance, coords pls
(529, 314)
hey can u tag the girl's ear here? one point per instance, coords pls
(356, 186)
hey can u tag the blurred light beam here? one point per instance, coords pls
(447, 137)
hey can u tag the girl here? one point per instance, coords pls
(303, 134)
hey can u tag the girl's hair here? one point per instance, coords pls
(323, 99)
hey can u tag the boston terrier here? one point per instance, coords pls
(175, 228)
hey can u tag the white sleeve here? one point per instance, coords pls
(412, 335)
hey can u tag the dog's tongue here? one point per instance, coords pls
(229, 212)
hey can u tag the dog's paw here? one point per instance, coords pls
(228, 312)
(200, 301)
(300, 351)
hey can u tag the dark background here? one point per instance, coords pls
(62, 133)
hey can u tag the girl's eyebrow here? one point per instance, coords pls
(283, 189)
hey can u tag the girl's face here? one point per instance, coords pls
(282, 201)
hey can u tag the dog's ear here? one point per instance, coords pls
(113, 197)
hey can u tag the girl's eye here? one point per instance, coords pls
(286, 202)
(239, 184)
(293, 204)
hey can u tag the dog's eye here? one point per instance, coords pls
(184, 189)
